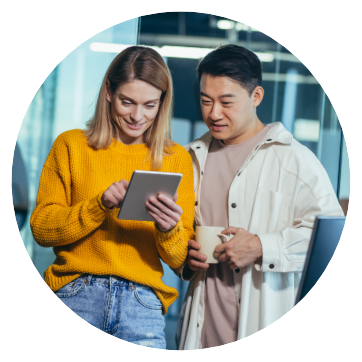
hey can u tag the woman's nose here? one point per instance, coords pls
(137, 115)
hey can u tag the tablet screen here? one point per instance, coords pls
(143, 185)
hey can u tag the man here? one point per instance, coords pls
(265, 188)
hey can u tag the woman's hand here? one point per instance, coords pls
(114, 195)
(165, 211)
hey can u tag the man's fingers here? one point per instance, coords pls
(194, 244)
(196, 255)
(196, 265)
(230, 230)
(220, 248)
(224, 257)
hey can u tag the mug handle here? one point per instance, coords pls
(224, 238)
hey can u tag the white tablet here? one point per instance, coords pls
(143, 185)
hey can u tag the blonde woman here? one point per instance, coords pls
(106, 270)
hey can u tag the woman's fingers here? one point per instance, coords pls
(108, 200)
(162, 224)
(115, 193)
(170, 204)
(162, 211)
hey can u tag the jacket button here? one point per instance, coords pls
(271, 266)
(198, 147)
(233, 205)
(197, 324)
(237, 270)
(196, 203)
(269, 139)
(239, 300)
(202, 172)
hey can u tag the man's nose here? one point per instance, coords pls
(216, 112)
(137, 114)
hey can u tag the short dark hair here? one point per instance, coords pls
(235, 62)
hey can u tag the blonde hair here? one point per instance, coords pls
(145, 64)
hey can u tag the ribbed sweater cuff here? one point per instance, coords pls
(163, 236)
(97, 209)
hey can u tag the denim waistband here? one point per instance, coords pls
(107, 279)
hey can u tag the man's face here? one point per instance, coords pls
(228, 110)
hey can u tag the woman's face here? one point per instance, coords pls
(134, 107)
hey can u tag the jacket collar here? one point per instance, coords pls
(276, 134)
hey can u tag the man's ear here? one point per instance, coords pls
(108, 91)
(257, 96)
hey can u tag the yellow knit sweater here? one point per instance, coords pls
(87, 237)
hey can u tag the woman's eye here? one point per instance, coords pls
(125, 103)
(149, 106)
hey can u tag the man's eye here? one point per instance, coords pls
(206, 102)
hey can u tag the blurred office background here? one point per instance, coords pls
(67, 98)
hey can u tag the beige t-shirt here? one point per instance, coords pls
(221, 310)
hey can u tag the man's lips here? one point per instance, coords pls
(218, 127)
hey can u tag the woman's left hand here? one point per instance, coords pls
(165, 211)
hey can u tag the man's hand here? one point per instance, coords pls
(241, 250)
(195, 259)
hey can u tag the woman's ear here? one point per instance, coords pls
(108, 91)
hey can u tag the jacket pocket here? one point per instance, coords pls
(271, 211)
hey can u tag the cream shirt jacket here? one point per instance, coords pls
(278, 191)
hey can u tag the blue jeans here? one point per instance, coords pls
(124, 309)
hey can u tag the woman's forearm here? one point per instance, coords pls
(53, 224)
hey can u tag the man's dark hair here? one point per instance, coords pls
(235, 62)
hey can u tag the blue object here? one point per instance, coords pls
(325, 237)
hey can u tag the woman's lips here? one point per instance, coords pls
(134, 126)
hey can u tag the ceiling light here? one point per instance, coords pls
(225, 24)
(169, 51)
(183, 52)
(265, 57)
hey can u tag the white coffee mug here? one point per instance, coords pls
(209, 237)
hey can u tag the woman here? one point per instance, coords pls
(107, 270)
